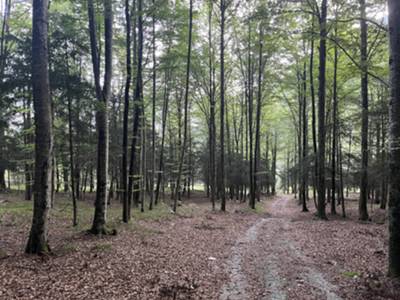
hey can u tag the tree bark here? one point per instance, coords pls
(394, 138)
(212, 129)
(186, 104)
(313, 115)
(38, 237)
(304, 181)
(124, 171)
(71, 149)
(321, 111)
(153, 115)
(258, 119)
(163, 125)
(102, 95)
(334, 129)
(362, 209)
(222, 106)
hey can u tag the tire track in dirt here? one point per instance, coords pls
(265, 249)
(236, 288)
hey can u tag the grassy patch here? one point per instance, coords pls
(66, 249)
(3, 254)
(258, 210)
(17, 210)
(161, 211)
(351, 274)
(103, 247)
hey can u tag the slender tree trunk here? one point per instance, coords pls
(313, 115)
(222, 106)
(71, 149)
(133, 179)
(124, 167)
(250, 121)
(321, 111)
(299, 129)
(143, 166)
(304, 172)
(3, 63)
(153, 115)
(185, 122)
(102, 95)
(163, 125)
(274, 153)
(342, 201)
(379, 162)
(334, 129)
(258, 118)
(384, 187)
(362, 209)
(212, 109)
(394, 138)
(38, 242)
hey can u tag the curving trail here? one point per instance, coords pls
(267, 264)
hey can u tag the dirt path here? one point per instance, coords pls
(266, 262)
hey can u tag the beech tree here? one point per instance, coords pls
(363, 212)
(321, 110)
(38, 237)
(103, 96)
(394, 136)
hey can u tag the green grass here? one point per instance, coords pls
(258, 210)
(351, 274)
(102, 247)
(67, 248)
(17, 208)
(18, 211)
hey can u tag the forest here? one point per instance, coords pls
(200, 149)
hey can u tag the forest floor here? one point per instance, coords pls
(274, 252)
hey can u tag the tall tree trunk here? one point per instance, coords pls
(299, 129)
(313, 114)
(250, 120)
(163, 125)
(222, 106)
(124, 169)
(71, 149)
(212, 109)
(321, 111)
(133, 168)
(258, 118)
(274, 153)
(102, 95)
(185, 122)
(3, 63)
(362, 208)
(394, 138)
(37, 242)
(304, 181)
(153, 115)
(342, 201)
(334, 129)
(384, 185)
